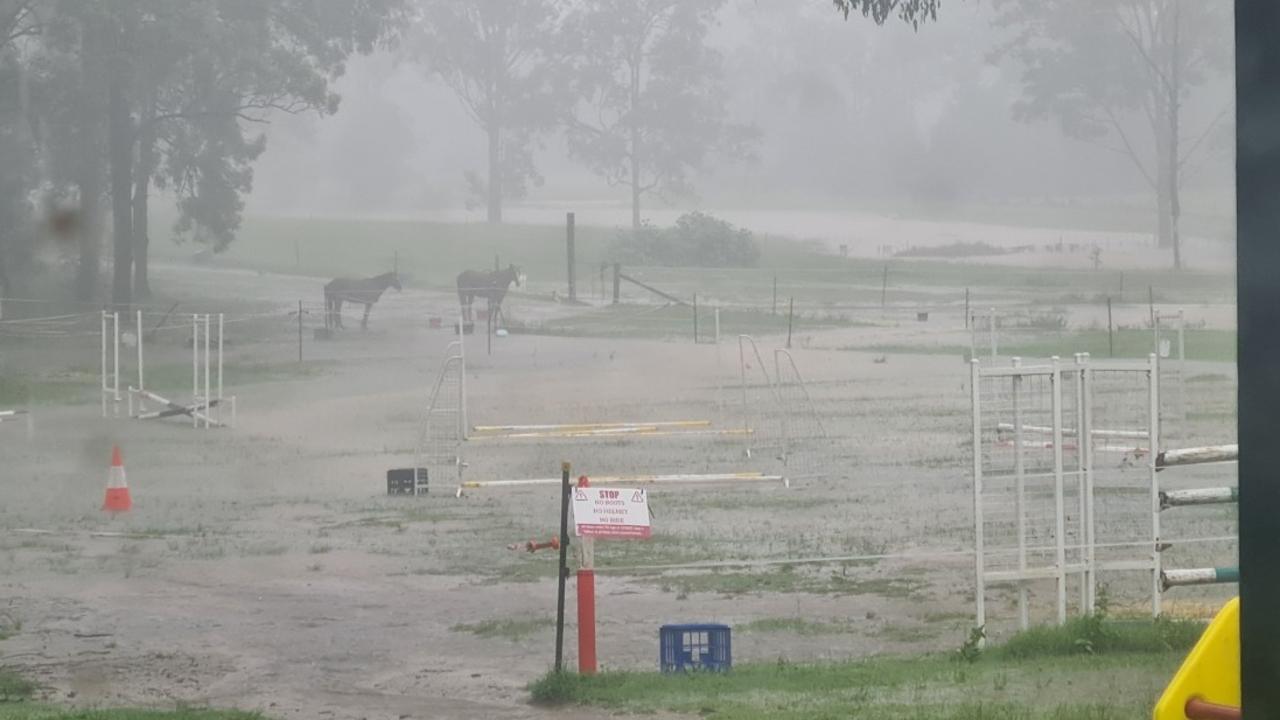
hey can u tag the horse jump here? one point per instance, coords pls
(492, 286)
(364, 291)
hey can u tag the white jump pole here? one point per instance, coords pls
(1024, 616)
(8, 415)
(1199, 496)
(1157, 574)
(115, 392)
(1072, 432)
(142, 385)
(591, 427)
(103, 389)
(221, 323)
(208, 399)
(195, 369)
(1059, 500)
(979, 529)
(462, 379)
(1081, 525)
(1199, 576)
(1086, 458)
(111, 373)
(632, 480)
(1198, 455)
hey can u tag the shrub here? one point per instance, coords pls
(696, 240)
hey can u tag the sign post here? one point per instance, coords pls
(610, 513)
(563, 566)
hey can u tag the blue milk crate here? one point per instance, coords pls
(695, 647)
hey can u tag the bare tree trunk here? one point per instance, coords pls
(141, 192)
(634, 123)
(6, 288)
(635, 194)
(120, 154)
(495, 173)
(89, 172)
(1164, 172)
(90, 188)
(1175, 122)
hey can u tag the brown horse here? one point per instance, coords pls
(492, 286)
(365, 291)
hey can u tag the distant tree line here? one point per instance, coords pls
(102, 104)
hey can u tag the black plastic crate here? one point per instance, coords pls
(401, 481)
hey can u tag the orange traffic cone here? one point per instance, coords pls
(117, 499)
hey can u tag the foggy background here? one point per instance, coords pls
(851, 117)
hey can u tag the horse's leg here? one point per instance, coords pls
(364, 321)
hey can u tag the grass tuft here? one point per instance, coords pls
(1096, 635)
(513, 629)
(14, 687)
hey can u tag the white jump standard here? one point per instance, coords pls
(14, 415)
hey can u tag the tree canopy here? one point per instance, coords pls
(911, 11)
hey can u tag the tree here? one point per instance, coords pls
(911, 11)
(18, 20)
(654, 109)
(499, 57)
(186, 80)
(1119, 73)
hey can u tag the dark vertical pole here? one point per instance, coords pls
(1258, 346)
(299, 331)
(695, 318)
(1111, 342)
(884, 286)
(1151, 305)
(564, 563)
(568, 240)
(775, 293)
(791, 311)
(617, 282)
(966, 308)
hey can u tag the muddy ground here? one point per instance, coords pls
(263, 567)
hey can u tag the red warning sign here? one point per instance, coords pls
(616, 513)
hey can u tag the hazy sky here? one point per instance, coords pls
(849, 114)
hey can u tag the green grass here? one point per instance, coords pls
(513, 629)
(631, 321)
(1041, 675)
(792, 626)
(431, 254)
(789, 579)
(23, 390)
(176, 377)
(1094, 635)
(16, 691)
(26, 711)
(31, 389)
(1203, 345)
(14, 687)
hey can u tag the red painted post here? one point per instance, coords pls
(1198, 709)
(586, 621)
(586, 602)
